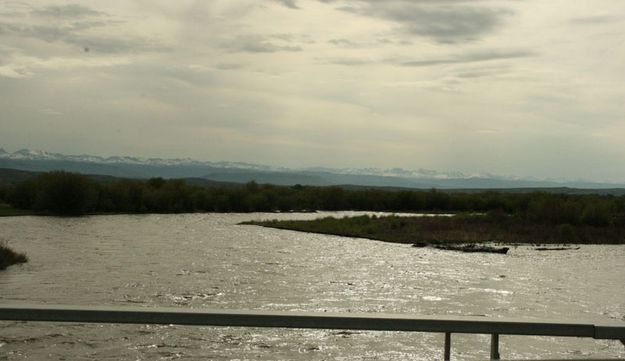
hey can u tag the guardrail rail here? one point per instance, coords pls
(317, 320)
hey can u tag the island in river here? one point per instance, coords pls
(467, 229)
(9, 257)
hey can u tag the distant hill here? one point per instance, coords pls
(11, 176)
(233, 172)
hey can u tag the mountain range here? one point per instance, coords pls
(238, 172)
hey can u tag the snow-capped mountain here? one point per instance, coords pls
(239, 172)
(29, 154)
(392, 172)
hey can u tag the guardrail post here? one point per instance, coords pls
(447, 346)
(494, 346)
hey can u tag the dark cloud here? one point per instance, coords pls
(257, 44)
(445, 21)
(471, 58)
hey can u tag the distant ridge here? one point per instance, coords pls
(238, 172)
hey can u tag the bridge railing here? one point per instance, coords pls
(317, 320)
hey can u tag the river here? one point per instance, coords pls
(208, 260)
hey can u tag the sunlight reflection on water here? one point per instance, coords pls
(207, 260)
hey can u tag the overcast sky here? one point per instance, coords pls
(527, 88)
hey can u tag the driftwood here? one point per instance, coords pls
(470, 248)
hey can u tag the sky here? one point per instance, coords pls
(512, 87)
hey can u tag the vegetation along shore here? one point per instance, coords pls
(457, 229)
(71, 194)
(508, 217)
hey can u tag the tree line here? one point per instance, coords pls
(71, 194)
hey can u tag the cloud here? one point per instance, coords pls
(76, 25)
(449, 21)
(69, 11)
(74, 34)
(288, 3)
(596, 20)
(474, 57)
(474, 74)
(16, 72)
(115, 44)
(350, 61)
(256, 44)
(292, 37)
(24, 66)
(229, 66)
(471, 58)
(343, 43)
(397, 42)
(41, 32)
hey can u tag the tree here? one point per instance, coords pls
(23, 194)
(63, 193)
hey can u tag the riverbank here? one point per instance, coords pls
(70, 194)
(458, 229)
(9, 257)
(8, 211)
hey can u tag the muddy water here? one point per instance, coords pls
(207, 260)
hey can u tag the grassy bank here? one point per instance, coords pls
(8, 211)
(456, 229)
(9, 257)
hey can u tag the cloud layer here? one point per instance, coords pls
(442, 21)
(528, 88)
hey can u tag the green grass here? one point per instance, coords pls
(8, 211)
(9, 257)
(455, 229)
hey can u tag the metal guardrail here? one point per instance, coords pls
(318, 320)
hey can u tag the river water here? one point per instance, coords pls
(208, 260)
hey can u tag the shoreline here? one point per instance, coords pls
(7, 210)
